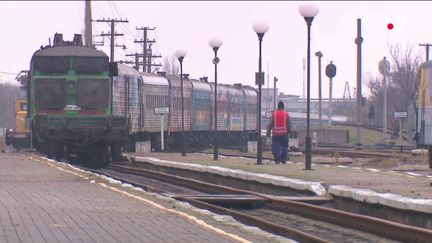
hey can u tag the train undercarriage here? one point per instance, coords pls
(18, 140)
(81, 139)
(195, 140)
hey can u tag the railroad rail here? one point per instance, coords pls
(372, 225)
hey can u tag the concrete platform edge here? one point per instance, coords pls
(386, 199)
(315, 187)
(360, 195)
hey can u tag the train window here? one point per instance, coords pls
(51, 64)
(50, 93)
(90, 64)
(93, 93)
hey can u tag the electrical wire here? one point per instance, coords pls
(8, 73)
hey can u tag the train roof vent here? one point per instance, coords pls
(186, 75)
(204, 79)
(162, 73)
(238, 85)
(58, 39)
(77, 40)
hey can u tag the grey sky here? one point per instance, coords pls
(189, 25)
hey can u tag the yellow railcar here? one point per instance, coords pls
(20, 137)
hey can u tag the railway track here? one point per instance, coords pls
(221, 195)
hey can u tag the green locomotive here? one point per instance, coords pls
(69, 97)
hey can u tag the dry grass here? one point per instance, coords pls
(367, 136)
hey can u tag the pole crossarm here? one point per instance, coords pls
(427, 45)
(112, 34)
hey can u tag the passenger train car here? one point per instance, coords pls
(236, 116)
(69, 102)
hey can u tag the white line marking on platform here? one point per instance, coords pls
(373, 170)
(413, 174)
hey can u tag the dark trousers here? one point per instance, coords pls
(280, 148)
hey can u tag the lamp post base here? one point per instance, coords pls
(215, 153)
(308, 165)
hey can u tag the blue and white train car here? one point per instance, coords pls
(201, 106)
(236, 122)
(175, 115)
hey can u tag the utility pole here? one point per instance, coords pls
(149, 62)
(319, 55)
(358, 41)
(88, 33)
(144, 41)
(384, 69)
(274, 92)
(268, 86)
(112, 34)
(427, 45)
(137, 63)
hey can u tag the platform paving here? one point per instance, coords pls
(44, 201)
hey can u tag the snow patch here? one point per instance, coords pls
(387, 199)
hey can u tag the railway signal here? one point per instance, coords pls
(331, 73)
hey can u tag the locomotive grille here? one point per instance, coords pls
(93, 93)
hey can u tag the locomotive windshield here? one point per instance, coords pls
(46, 64)
(92, 93)
(50, 93)
(89, 65)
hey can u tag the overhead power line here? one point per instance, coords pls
(8, 73)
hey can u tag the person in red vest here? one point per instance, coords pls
(280, 124)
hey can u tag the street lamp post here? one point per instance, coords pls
(319, 55)
(384, 69)
(180, 54)
(308, 12)
(260, 28)
(274, 93)
(215, 44)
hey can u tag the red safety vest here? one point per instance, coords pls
(279, 123)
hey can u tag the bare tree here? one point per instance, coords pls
(403, 78)
(171, 66)
(401, 83)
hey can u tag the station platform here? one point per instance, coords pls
(397, 189)
(46, 201)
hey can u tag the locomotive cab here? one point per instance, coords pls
(70, 102)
